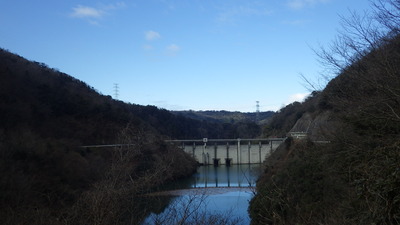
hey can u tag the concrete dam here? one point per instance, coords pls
(229, 151)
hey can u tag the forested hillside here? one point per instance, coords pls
(40, 98)
(227, 117)
(47, 178)
(354, 179)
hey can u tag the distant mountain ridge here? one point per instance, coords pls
(54, 104)
(227, 116)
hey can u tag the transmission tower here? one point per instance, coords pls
(257, 111)
(116, 91)
(258, 107)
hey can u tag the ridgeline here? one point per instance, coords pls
(47, 178)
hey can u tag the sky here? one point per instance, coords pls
(180, 54)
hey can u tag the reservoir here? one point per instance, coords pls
(213, 195)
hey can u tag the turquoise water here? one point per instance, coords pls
(213, 193)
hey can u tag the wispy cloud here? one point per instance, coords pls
(169, 50)
(115, 6)
(151, 35)
(173, 49)
(148, 47)
(298, 97)
(93, 14)
(295, 22)
(234, 13)
(300, 4)
(86, 12)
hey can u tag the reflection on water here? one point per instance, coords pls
(223, 176)
(213, 192)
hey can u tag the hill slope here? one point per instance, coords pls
(354, 179)
(40, 98)
(45, 115)
(226, 116)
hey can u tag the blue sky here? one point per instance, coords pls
(180, 54)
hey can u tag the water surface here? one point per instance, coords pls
(212, 193)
